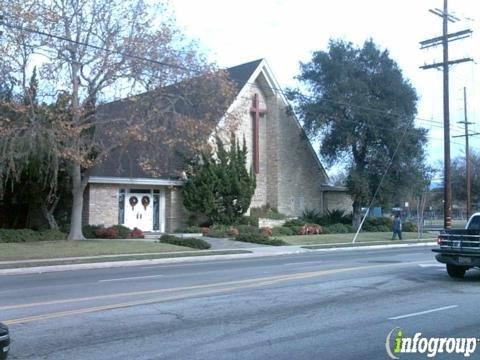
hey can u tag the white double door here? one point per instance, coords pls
(139, 211)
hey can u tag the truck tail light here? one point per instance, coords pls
(439, 240)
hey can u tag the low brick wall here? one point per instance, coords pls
(270, 223)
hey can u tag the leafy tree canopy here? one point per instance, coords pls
(357, 103)
(459, 178)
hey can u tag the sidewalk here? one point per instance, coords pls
(110, 261)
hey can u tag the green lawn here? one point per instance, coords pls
(58, 249)
(347, 238)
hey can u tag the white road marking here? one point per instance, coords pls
(131, 278)
(431, 265)
(423, 312)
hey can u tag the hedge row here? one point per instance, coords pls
(112, 232)
(29, 235)
(187, 242)
(260, 239)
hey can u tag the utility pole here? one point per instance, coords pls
(444, 40)
(468, 165)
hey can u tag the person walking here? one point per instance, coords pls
(397, 227)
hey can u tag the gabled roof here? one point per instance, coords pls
(241, 74)
(260, 66)
(123, 164)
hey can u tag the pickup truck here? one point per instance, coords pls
(459, 249)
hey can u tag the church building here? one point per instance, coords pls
(289, 175)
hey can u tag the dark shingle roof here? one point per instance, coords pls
(242, 73)
(125, 162)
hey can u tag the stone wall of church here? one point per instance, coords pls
(300, 178)
(176, 215)
(290, 178)
(337, 200)
(272, 142)
(102, 204)
(244, 130)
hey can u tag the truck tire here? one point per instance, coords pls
(456, 271)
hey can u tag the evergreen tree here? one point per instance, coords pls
(357, 102)
(219, 184)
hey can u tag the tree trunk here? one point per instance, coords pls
(357, 215)
(48, 213)
(76, 171)
(77, 207)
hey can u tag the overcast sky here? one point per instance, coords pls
(285, 32)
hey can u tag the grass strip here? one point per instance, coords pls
(124, 258)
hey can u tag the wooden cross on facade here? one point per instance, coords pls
(256, 113)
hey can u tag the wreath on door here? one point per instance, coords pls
(145, 202)
(133, 201)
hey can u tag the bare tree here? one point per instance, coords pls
(94, 52)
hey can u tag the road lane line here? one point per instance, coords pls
(423, 312)
(269, 280)
(431, 265)
(131, 278)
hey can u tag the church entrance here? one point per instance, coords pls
(139, 211)
(141, 208)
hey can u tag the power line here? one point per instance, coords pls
(438, 124)
(81, 43)
(443, 40)
(62, 38)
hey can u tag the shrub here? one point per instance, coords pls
(267, 212)
(136, 234)
(260, 239)
(310, 229)
(218, 231)
(408, 226)
(29, 235)
(189, 230)
(377, 224)
(14, 235)
(338, 229)
(329, 218)
(312, 216)
(219, 184)
(107, 233)
(187, 242)
(337, 217)
(249, 220)
(101, 232)
(48, 235)
(283, 231)
(123, 231)
(382, 228)
(294, 223)
(248, 229)
(198, 219)
(266, 231)
(233, 231)
(89, 231)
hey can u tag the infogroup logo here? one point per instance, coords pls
(397, 343)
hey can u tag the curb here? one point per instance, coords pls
(116, 264)
(256, 253)
(373, 247)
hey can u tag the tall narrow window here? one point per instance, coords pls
(121, 206)
(156, 211)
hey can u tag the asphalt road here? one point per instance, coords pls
(319, 305)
